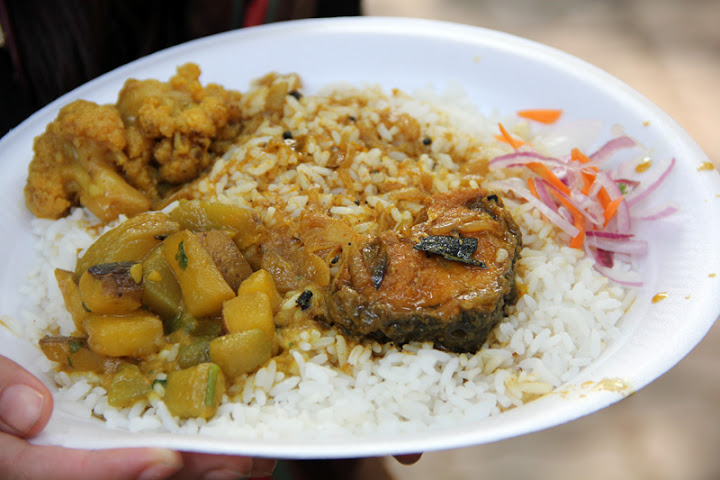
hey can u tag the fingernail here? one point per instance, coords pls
(223, 474)
(166, 463)
(20, 408)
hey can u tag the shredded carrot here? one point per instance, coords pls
(588, 180)
(542, 115)
(578, 241)
(604, 198)
(533, 188)
(578, 219)
(548, 175)
(578, 156)
(507, 138)
(612, 209)
(588, 173)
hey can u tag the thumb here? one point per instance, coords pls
(25, 408)
(25, 403)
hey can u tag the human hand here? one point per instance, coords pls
(25, 408)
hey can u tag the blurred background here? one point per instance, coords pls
(668, 50)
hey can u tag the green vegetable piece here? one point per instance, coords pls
(456, 249)
(75, 345)
(181, 257)
(128, 386)
(209, 328)
(162, 293)
(159, 381)
(182, 321)
(213, 372)
(195, 391)
(195, 353)
(201, 216)
(131, 240)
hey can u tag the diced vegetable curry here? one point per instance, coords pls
(158, 282)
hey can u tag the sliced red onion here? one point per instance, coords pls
(659, 214)
(644, 190)
(544, 195)
(626, 278)
(523, 157)
(611, 235)
(632, 247)
(587, 214)
(612, 147)
(517, 186)
(604, 258)
(611, 245)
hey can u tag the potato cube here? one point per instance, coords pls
(195, 392)
(135, 335)
(71, 296)
(112, 288)
(262, 281)
(203, 287)
(239, 353)
(250, 310)
(73, 354)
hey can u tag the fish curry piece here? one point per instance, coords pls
(447, 279)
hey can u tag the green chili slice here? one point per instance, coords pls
(213, 372)
(181, 256)
(75, 345)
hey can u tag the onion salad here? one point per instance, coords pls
(593, 198)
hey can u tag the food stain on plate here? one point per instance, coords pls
(611, 385)
(705, 166)
(659, 297)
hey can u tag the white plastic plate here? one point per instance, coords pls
(499, 72)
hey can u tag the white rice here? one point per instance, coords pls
(565, 319)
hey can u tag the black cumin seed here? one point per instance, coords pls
(287, 135)
(427, 141)
(493, 197)
(303, 300)
(296, 94)
(335, 259)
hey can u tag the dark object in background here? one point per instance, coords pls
(49, 48)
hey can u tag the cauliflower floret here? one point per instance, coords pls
(126, 158)
(74, 164)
